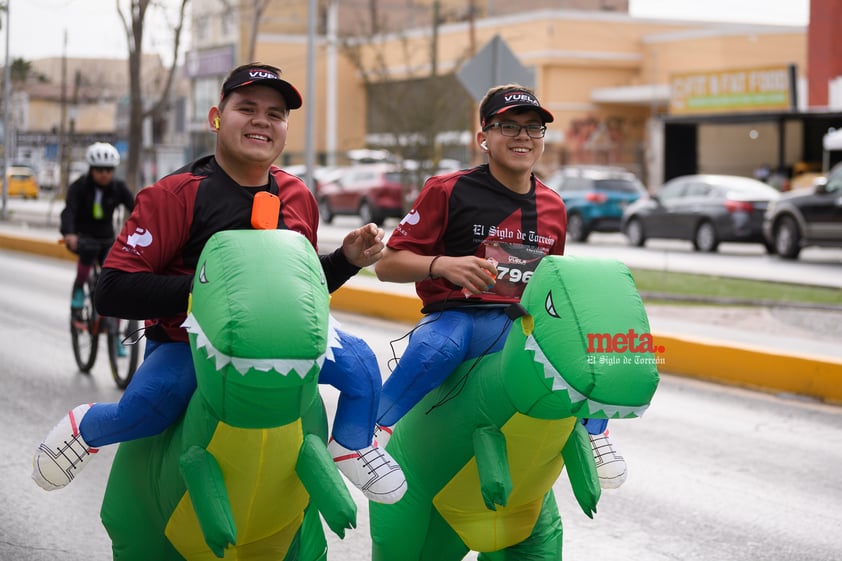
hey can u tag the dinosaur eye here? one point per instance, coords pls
(202, 278)
(549, 306)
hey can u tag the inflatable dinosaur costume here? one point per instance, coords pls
(245, 473)
(507, 423)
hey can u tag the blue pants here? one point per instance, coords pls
(163, 384)
(438, 345)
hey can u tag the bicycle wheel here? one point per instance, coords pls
(122, 357)
(84, 334)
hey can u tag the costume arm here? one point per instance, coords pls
(206, 486)
(328, 492)
(581, 470)
(495, 480)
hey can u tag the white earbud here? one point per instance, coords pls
(484, 145)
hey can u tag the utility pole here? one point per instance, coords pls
(309, 109)
(7, 97)
(331, 114)
(62, 140)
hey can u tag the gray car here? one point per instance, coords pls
(809, 216)
(703, 209)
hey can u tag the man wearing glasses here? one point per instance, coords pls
(89, 212)
(470, 244)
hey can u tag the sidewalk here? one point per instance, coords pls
(776, 350)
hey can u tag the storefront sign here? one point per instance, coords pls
(728, 91)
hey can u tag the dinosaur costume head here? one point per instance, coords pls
(238, 329)
(588, 342)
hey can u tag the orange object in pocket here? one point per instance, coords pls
(265, 211)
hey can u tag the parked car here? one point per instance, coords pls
(22, 182)
(595, 197)
(373, 192)
(808, 216)
(704, 209)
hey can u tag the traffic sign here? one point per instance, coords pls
(495, 64)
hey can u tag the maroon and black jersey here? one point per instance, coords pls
(470, 213)
(172, 221)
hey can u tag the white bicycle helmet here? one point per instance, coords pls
(102, 155)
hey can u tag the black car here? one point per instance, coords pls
(704, 209)
(809, 216)
(595, 197)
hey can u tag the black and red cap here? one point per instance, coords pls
(257, 76)
(505, 100)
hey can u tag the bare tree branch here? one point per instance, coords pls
(163, 101)
(259, 7)
(133, 21)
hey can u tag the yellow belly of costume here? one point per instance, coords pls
(267, 498)
(534, 452)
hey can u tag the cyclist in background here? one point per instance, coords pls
(89, 213)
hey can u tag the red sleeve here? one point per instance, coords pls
(422, 229)
(157, 229)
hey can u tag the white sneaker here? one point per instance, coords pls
(63, 454)
(372, 470)
(610, 466)
(382, 434)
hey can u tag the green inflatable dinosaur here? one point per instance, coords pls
(245, 473)
(507, 423)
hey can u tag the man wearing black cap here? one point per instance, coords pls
(461, 226)
(151, 266)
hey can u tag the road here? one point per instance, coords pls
(716, 474)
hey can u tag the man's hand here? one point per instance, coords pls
(364, 246)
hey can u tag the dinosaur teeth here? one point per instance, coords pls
(282, 366)
(559, 383)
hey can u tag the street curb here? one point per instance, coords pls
(36, 246)
(755, 368)
(696, 357)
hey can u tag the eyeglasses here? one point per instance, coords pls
(513, 129)
(102, 169)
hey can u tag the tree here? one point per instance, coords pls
(413, 108)
(259, 6)
(133, 25)
(20, 70)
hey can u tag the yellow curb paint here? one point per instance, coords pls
(819, 377)
(38, 247)
(393, 307)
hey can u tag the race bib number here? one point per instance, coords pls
(515, 265)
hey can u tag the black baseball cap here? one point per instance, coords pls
(504, 100)
(256, 75)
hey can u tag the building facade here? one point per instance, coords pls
(386, 75)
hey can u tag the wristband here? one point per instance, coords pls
(430, 270)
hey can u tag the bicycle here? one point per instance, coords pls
(86, 325)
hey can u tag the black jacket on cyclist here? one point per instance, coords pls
(83, 216)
